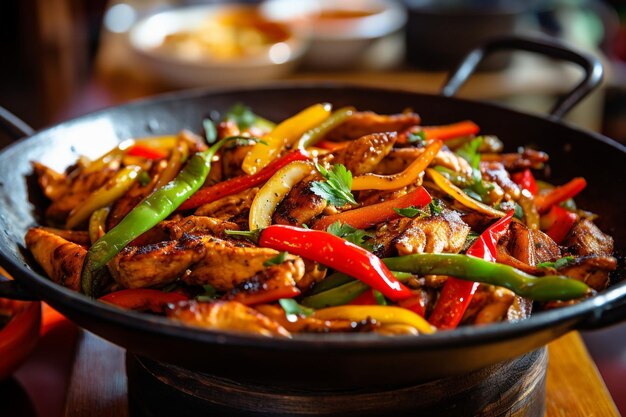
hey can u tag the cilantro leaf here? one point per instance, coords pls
(418, 138)
(558, 264)
(477, 189)
(435, 207)
(242, 115)
(469, 240)
(210, 131)
(276, 260)
(251, 235)
(292, 308)
(337, 187)
(411, 212)
(357, 236)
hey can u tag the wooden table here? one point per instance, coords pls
(574, 387)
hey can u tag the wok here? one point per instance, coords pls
(331, 361)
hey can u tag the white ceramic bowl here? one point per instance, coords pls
(270, 63)
(340, 43)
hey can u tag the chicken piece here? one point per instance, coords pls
(134, 196)
(228, 207)
(232, 158)
(301, 324)
(528, 158)
(80, 237)
(362, 155)
(300, 205)
(156, 264)
(366, 123)
(52, 183)
(592, 270)
(398, 159)
(434, 234)
(586, 238)
(62, 260)
(387, 234)
(489, 305)
(198, 226)
(314, 272)
(271, 279)
(224, 265)
(495, 172)
(520, 309)
(227, 316)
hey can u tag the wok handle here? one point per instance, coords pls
(13, 126)
(590, 64)
(608, 312)
(14, 291)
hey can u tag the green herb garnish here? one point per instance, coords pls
(558, 264)
(357, 236)
(337, 187)
(251, 235)
(143, 178)
(411, 212)
(292, 308)
(276, 260)
(209, 293)
(210, 132)
(418, 138)
(435, 207)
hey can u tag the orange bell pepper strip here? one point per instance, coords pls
(451, 131)
(368, 216)
(143, 299)
(560, 194)
(401, 179)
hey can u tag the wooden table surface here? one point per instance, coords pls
(574, 387)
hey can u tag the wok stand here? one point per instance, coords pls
(512, 388)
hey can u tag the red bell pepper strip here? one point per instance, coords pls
(560, 194)
(526, 180)
(457, 294)
(335, 253)
(143, 299)
(561, 222)
(368, 216)
(416, 304)
(241, 183)
(146, 152)
(267, 296)
(451, 131)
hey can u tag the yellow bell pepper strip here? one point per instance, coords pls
(455, 192)
(242, 182)
(97, 223)
(156, 207)
(283, 135)
(161, 143)
(314, 135)
(180, 152)
(382, 314)
(274, 190)
(368, 216)
(559, 194)
(104, 160)
(401, 179)
(104, 196)
(545, 288)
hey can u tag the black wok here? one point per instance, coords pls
(331, 361)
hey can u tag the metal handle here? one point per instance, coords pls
(609, 311)
(544, 46)
(14, 291)
(13, 126)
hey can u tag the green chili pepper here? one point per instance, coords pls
(314, 135)
(344, 293)
(457, 179)
(156, 207)
(546, 288)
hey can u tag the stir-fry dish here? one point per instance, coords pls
(329, 221)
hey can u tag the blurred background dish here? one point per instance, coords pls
(345, 33)
(216, 44)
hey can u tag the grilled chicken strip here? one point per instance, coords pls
(489, 305)
(300, 205)
(211, 260)
(528, 158)
(366, 123)
(495, 172)
(274, 278)
(592, 270)
(62, 260)
(227, 316)
(586, 238)
(198, 225)
(362, 155)
(228, 207)
(433, 234)
(52, 183)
